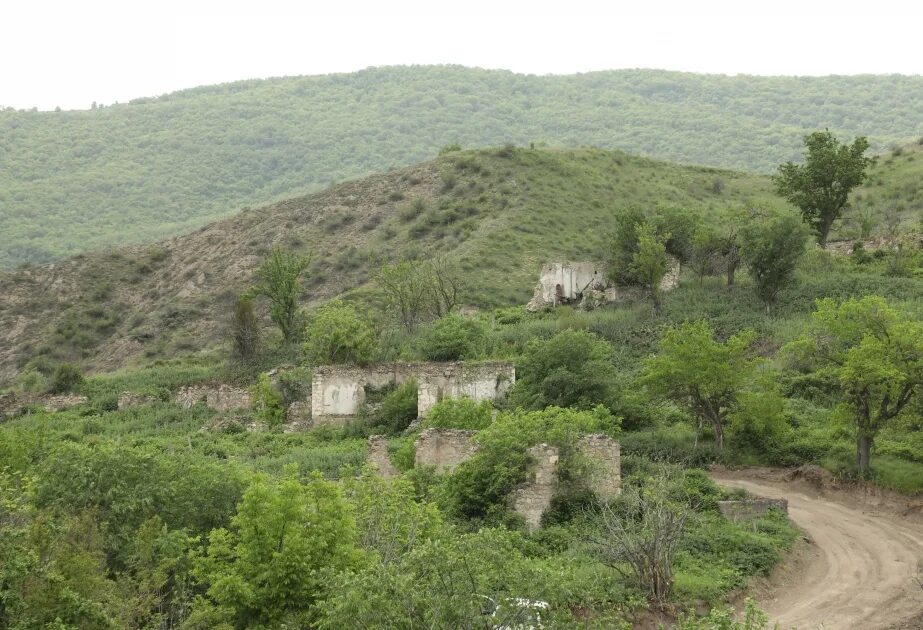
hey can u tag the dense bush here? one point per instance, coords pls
(336, 333)
(399, 407)
(65, 379)
(479, 488)
(572, 369)
(454, 338)
(459, 413)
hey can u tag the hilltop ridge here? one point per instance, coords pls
(79, 180)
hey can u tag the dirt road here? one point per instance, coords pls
(863, 575)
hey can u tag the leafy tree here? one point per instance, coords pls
(772, 248)
(705, 258)
(279, 281)
(389, 519)
(466, 581)
(677, 226)
(705, 375)
(625, 245)
(420, 290)
(729, 242)
(336, 333)
(572, 369)
(245, 330)
(287, 541)
(453, 338)
(649, 263)
(820, 187)
(875, 354)
(407, 289)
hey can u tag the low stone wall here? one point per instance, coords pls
(749, 509)
(133, 399)
(12, 405)
(532, 499)
(61, 402)
(604, 454)
(221, 398)
(444, 448)
(378, 456)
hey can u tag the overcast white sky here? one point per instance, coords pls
(71, 53)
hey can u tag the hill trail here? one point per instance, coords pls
(863, 575)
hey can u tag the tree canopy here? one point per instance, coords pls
(820, 187)
(875, 353)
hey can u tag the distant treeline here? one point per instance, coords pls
(75, 180)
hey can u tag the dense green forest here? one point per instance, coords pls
(77, 180)
(163, 516)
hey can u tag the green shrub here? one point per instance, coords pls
(399, 407)
(65, 379)
(337, 333)
(267, 402)
(460, 413)
(403, 451)
(453, 338)
(479, 487)
(572, 369)
(412, 210)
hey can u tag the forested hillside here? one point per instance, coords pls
(77, 180)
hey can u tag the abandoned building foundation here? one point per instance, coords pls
(338, 392)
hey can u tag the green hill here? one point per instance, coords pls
(77, 180)
(499, 214)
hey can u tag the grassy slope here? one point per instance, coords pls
(72, 181)
(501, 217)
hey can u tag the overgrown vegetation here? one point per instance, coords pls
(162, 516)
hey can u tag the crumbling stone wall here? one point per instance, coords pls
(564, 282)
(444, 448)
(338, 391)
(12, 405)
(221, 398)
(133, 399)
(379, 458)
(588, 284)
(749, 509)
(478, 381)
(531, 499)
(604, 454)
(447, 448)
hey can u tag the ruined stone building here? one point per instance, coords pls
(445, 449)
(587, 284)
(338, 392)
(566, 282)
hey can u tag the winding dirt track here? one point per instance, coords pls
(864, 574)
